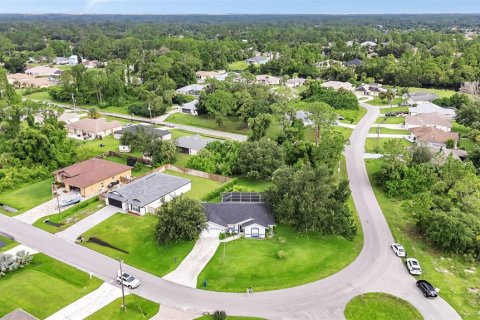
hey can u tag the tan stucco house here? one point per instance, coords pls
(92, 176)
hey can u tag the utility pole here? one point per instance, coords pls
(121, 281)
(378, 137)
(55, 190)
(223, 251)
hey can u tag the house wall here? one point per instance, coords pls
(151, 207)
(410, 126)
(213, 230)
(261, 231)
(99, 186)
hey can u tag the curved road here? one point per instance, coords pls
(375, 269)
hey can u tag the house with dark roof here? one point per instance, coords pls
(252, 219)
(147, 194)
(257, 60)
(354, 62)
(190, 107)
(414, 97)
(156, 132)
(92, 176)
(192, 144)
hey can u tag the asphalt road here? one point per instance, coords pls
(375, 269)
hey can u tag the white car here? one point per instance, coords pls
(399, 250)
(414, 267)
(129, 281)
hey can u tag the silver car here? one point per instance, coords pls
(399, 250)
(414, 267)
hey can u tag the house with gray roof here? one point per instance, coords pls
(257, 60)
(156, 132)
(415, 97)
(190, 107)
(192, 144)
(304, 116)
(192, 89)
(252, 219)
(147, 194)
(354, 62)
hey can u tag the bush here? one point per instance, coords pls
(222, 236)
(219, 315)
(282, 255)
(137, 167)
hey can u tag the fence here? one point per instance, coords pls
(110, 153)
(197, 173)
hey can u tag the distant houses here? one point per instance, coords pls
(337, 85)
(192, 144)
(189, 107)
(267, 79)
(295, 82)
(192, 89)
(257, 60)
(354, 63)
(415, 97)
(43, 71)
(87, 129)
(21, 80)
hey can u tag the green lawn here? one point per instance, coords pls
(113, 109)
(135, 234)
(238, 66)
(391, 120)
(380, 306)
(464, 143)
(30, 288)
(445, 271)
(8, 243)
(440, 92)
(91, 148)
(28, 196)
(42, 95)
(136, 308)
(70, 216)
(200, 186)
(395, 109)
(352, 116)
(181, 159)
(371, 144)
(233, 125)
(143, 168)
(379, 102)
(255, 263)
(176, 133)
(254, 185)
(229, 318)
(373, 129)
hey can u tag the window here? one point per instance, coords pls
(255, 232)
(135, 208)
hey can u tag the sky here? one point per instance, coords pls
(238, 6)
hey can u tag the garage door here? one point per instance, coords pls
(211, 233)
(115, 203)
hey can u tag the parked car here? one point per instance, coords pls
(128, 280)
(428, 290)
(414, 267)
(399, 250)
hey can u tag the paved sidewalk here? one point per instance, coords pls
(168, 313)
(89, 304)
(372, 155)
(187, 272)
(72, 233)
(388, 135)
(346, 125)
(18, 248)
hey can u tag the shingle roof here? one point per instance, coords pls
(89, 172)
(147, 128)
(429, 134)
(434, 119)
(192, 105)
(232, 213)
(94, 125)
(148, 189)
(191, 88)
(193, 142)
(354, 62)
(421, 96)
(428, 107)
(337, 85)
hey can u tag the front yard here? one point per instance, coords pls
(379, 102)
(135, 235)
(374, 128)
(233, 125)
(451, 273)
(391, 120)
(7, 243)
(27, 197)
(288, 259)
(371, 144)
(30, 288)
(136, 308)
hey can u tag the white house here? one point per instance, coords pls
(295, 82)
(190, 107)
(147, 194)
(257, 60)
(337, 85)
(250, 219)
(304, 116)
(73, 60)
(192, 89)
(42, 71)
(69, 117)
(429, 107)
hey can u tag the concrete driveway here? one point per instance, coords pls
(187, 272)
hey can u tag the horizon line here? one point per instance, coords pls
(238, 14)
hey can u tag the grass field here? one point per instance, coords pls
(256, 263)
(28, 196)
(42, 95)
(440, 92)
(391, 120)
(70, 216)
(176, 133)
(135, 234)
(181, 159)
(445, 271)
(388, 130)
(379, 102)
(92, 148)
(136, 308)
(371, 144)
(351, 116)
(233, 125)
(380, 306)
(395, 109)
(238, 66)
(200, 186)
(30, 288)
(7, 243)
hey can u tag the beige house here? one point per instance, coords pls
(337, 85)
(93, 128)
(268, 80)
(432, 137)
(43, 71)
(92, 176)
(434, 120)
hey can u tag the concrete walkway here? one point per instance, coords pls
(388, 135)
(18, 248)
(346, 125)
(72, 233)
(168, 313)
(187, 272)
(89, 304)
(372, 156)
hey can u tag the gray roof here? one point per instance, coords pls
(148, 189)
(193, 142)
(258, 59)
(192, 105)
(232, 213)
(191, 89)
(149, 129)
(304, 116)
(421, 96)
(354, 62)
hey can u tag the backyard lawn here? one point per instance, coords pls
(380, 306)
(288, 259)
(136, 308)
(7, 243)
(391, 120)
(143, 168)
(200, 186)
(442, 93)
(91, 148)
(135, 234)
(233, 125)
(449, 272)
(181, 159)
(371, 144)
(70, 216)
(30, 288)
(27, 197)
(176, 133)
(42, 95)
(238, 66)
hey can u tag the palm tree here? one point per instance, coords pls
(388, 95)
(93, 113)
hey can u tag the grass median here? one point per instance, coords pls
(380, 306)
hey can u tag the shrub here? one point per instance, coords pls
(137, 167)
(219, 315)
(281, 254)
